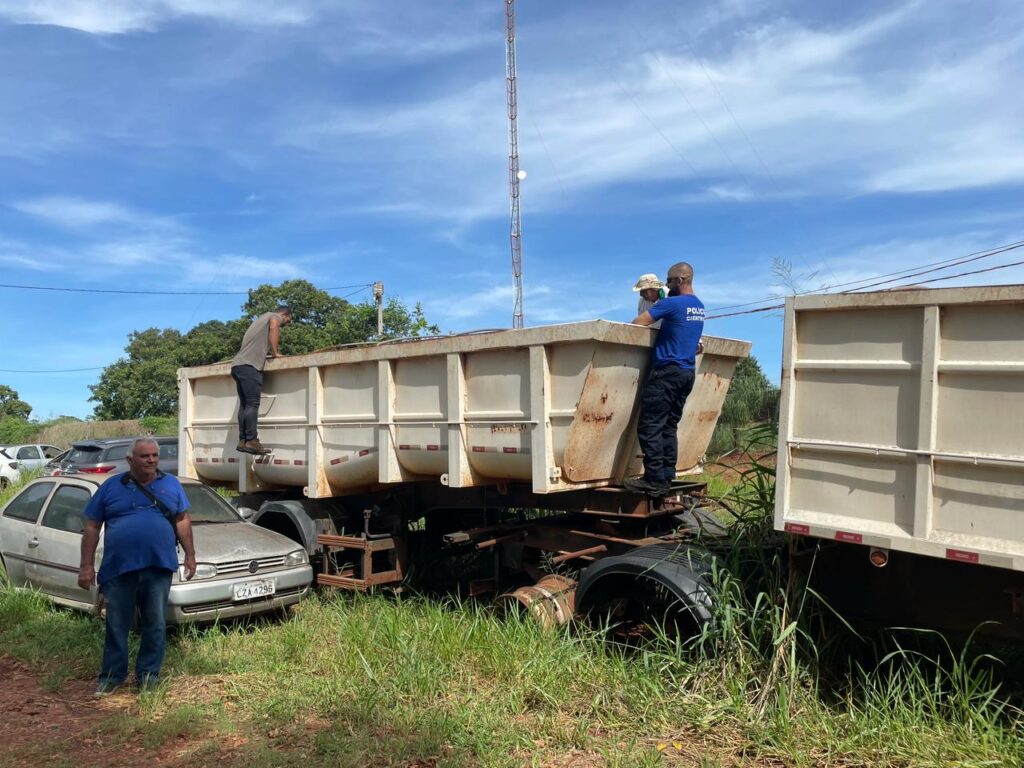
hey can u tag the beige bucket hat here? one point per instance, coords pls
(648, 281)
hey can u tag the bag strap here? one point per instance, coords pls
(127, 478)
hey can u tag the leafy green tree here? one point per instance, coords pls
(12, 405)
(752, 399)
(144, 383)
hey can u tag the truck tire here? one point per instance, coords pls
(653, 589)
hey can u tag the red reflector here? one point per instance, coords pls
(97, 470)
(798, 528)
(510, 450)
(335, 461)
(364, 452)
(404, 447)
(962, 556)
(279, 461)
(478, 449)
(850, 538)
(300, 462)
(433, 447)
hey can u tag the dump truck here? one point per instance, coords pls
(506, 449)
(900, 468)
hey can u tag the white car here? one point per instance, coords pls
(242, 569)
(15, 458)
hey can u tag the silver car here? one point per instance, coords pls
(242, 569)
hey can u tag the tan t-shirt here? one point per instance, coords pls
(256, 343)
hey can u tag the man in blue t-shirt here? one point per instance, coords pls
(139, 559)
(670, 380)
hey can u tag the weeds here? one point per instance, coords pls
(369, 680)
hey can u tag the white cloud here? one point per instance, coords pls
(836, 110)
(32, 257)
(233, 272)
(76, 213)
(121, 16)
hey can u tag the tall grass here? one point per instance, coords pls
(355, 680)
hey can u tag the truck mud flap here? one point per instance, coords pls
(667, 584)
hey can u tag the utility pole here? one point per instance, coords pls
(515, 175)
(378, 299)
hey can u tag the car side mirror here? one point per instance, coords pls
(247, 513)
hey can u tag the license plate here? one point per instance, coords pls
(250, 589)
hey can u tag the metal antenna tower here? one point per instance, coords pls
(514, 174)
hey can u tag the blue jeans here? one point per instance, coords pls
(661, 406)
(147, 590)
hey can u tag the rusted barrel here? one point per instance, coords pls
(549, 602)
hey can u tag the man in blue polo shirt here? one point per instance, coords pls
(670, 379)
(139, 559)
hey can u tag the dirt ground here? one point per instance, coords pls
(65, 728)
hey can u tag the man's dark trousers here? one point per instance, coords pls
(145, 591)
(249, 382)
(661, 407)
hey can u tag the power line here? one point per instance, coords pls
(960, 274)
(58, 370)
(899, 274)
(902, 285)
(746, 312)
(697, 114)
(153, 293)
(967, 259)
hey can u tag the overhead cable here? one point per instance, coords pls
(56, 370)
(995, 268)
(154, 293)
(900, 274)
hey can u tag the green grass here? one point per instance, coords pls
(387, 681)
(355, 680)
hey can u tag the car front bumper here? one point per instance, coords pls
(213, 599)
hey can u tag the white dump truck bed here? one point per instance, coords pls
(553, 406)
(902, 422)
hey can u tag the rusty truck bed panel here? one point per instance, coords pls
(553, 406)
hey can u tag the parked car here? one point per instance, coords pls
(242, 569)
(100, 457)
(18, 457)
(52, 467)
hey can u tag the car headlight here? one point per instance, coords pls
(298, 557)
(203, 571)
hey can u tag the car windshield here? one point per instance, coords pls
(207, 506)
(83, 454)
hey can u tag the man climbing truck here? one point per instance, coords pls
(259, 343)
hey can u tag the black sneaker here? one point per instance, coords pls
(643, 485)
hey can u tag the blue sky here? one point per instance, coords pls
(213, 146)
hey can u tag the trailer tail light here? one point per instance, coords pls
(879, 557)
(101, 470)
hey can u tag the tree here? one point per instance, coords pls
(752, 399)
(144, 384)
(11, 405)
